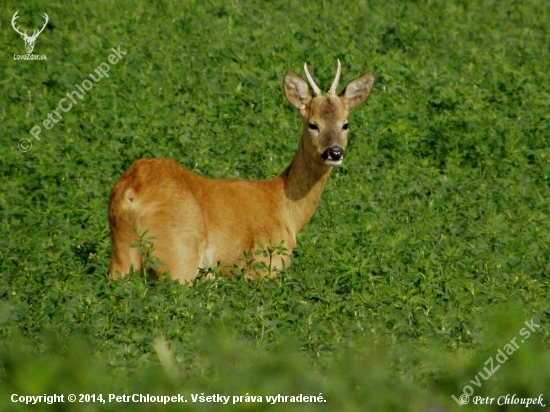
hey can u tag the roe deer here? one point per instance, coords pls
(198, 222)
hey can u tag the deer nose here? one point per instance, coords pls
(334, 153)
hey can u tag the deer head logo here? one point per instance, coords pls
(29, 40)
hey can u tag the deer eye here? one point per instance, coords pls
(345, 126)
(313, 126)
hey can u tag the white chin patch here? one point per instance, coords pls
(333, 162)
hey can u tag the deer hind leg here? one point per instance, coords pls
(177, 233)
(124, 257)
(179, 253)
(122, 224)
(154, 199)
(180, 258)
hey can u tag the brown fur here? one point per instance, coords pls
(198, 222)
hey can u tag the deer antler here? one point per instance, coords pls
(13, 21)
(332, 90)
(36, 32)
(24, 34)
(311, 82)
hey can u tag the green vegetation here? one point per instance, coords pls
(428, 252)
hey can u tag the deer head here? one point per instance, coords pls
(326, 127)
(29, 40)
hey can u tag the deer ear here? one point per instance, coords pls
(357, 91)
(296, 90)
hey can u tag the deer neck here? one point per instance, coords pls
(303, 183)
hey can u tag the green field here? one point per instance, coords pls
(429, 251)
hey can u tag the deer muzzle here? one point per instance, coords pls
(333, 156)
